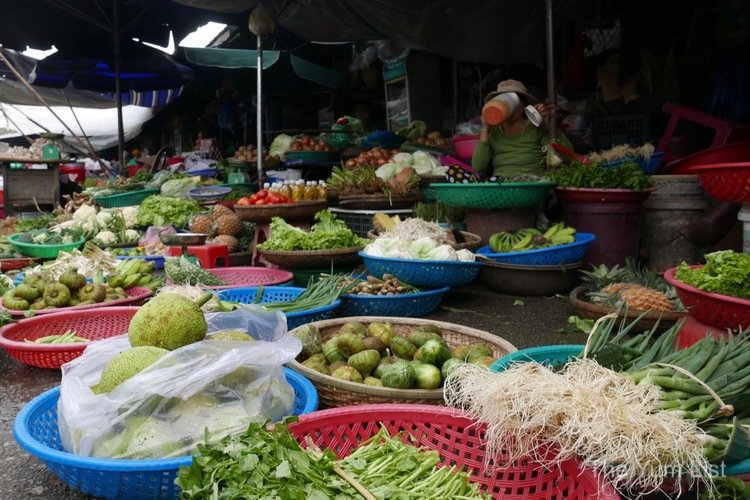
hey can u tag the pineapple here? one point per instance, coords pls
(219, 210)
(230, 241)
(201, 224)
(229, 225)
(633, 286)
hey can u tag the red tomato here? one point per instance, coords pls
(244, 201)
(263, 193)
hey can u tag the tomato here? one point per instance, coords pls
(244, 201)
(263, 193)
(261, 202)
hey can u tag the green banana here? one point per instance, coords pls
(523, 243)
(562, 239)
(553, 229)
(145, 279)
(146, 266)
(131, 280)
(116, 280)
(494, 240)
(154, 284)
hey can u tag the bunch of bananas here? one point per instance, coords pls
(135, 272)
(530, 238)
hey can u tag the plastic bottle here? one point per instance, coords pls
(298, 191)
(311, 191)
(500, 108)
(266, 186)
(286, 189)
(322, 190)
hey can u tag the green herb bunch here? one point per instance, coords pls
(581, 175)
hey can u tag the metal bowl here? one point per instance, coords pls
(526, 280)
(182, 239)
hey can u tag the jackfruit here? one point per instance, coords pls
(169, 321)
(231, 335)
(126, 364)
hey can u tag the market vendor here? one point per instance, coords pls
(514, 146)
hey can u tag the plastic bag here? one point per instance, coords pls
(164, 410)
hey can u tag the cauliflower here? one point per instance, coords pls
(129, 214)
(84, 213)
(104, 218)
(131, 236)
(105, 238)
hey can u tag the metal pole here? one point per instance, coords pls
(259, 109)
(551, 87)
(118, 90)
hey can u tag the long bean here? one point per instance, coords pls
(318, 294)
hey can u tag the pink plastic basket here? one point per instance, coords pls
(714, 309)
(92, 324)
(460, 441)
(249, 276)
(725, 181)
(136, 296)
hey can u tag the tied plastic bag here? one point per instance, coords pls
(164, 410)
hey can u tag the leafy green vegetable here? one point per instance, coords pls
(726, 272)
(161, 210)
(43, 221)
(579, 175)
(328, 233)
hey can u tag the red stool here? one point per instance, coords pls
(209, 255)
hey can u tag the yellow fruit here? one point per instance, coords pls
(640, 298)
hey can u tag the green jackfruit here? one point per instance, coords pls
(126, 364)
(169, 321)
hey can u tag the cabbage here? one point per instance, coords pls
(386, 170)
(179, 188)
(465, 255)
(280, 145)
(421, 248)
(443, 252)
(402, 159)
(425, 163)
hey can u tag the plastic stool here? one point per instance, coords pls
(209, 255)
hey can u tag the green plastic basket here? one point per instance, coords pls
(125, 199)
(492, 195)
(43, 251)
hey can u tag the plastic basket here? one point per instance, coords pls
(93, 324)
(715, 309)
(548, 256)
(248, 295)
(547, 355)
(35, 429)
(125, 199)
(460, 441)
(43, 251)
(492, 195)
(360, 221)
(407, 305)
(136, 296)
(424, 273)
(608, 131)
(649, 166)
(241, 276)
(725, 181)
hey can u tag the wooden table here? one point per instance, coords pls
(27, 187)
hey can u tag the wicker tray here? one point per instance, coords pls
(471, 241)
(334, 392)
(588, 310)
(136, 296)
(297, 211)
(378, 201)
(308, 259)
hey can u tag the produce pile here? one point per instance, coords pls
(326, 234)
(531, 238)
(415, 239)
(372, 285)
(726, 272)
(622, 152)
(384, 466)
(373, 157)
(376, 355)
(223, 226)
(69, 337)
(583, 175)
(310, 143)
(633, 407)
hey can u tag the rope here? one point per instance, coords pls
(724, 409)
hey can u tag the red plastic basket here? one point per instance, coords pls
(459, 440)
(93, 324)
(242, 276)
(136, 296)
(725, 181)
(714, 309)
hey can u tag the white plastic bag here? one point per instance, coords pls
(165, 409)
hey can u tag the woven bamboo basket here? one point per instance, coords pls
(471, 242)
(595, 311)
(309, 259)
(334, 392)
(297, 211)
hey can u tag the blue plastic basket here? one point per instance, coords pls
(547, 256)
(35, 429)
(650, 166)
(247, 295)
(547, 355)
(406, 305)
(424, 273)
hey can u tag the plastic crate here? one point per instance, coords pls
(43, 251)
(424, 273)
(248, 295)
(35, 429)
(360, 221)
(608, 131)
(548, 355)
(560, 254)
(125, 199)
(406, 305)
(714, 309)
(460, 441)
(492, 195)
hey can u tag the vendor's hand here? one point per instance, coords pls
(547, 110)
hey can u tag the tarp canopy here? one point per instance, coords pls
(248, 59)
(488, 31)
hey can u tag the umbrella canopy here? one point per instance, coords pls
(141, 68)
